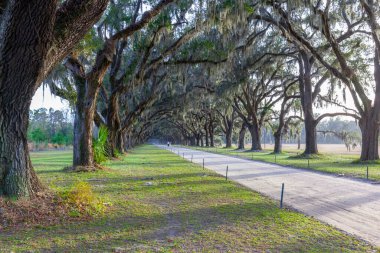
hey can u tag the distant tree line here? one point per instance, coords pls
(50, 126)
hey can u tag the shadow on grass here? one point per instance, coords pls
(262, 222)
(150, 230)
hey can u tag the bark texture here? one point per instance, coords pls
(277, 143)
(229, 137)
(305, 85)
(34, 38)
(370, 138)
(241, 142)
(25, 38)
(115, 139)
(255, 135)
(83, 157)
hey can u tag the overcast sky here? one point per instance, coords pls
(45, 99)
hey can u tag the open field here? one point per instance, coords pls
(322, 148)
(162, 203)
(332, 160)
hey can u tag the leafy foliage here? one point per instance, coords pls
(82, 200)
(100, 145)
(38, 135)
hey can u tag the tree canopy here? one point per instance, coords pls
(194, 72)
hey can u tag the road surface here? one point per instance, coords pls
(350, 205)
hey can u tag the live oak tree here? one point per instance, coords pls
(155, 47)
(339, 28)
(125, 68)
(241, 138)
(88, 84)
(35, 36)
(254, 104)
(227, 116)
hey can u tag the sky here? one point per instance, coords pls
(46, 99)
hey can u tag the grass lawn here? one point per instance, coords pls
(161, 203)
(341, 164)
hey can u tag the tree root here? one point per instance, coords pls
(96, 167)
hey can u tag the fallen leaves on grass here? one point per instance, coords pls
(43, 210)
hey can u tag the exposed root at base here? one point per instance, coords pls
(96, 167)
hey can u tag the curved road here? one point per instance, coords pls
(350, 205)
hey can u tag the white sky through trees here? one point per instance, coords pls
(46, 99)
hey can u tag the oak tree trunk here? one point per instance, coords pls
(211, 132)
(26, 34)
(115, 142)
(192, 141)
(17, 177)
(311, 137)
(243, 130)
(277, 143)
(206, 136)
(298, 141)
(370, 138)
(255, 135)
(306, 92)
(120, 144)
(229, 137)
(212, 143)
(83, 157)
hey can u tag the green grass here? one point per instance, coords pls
(339, 164)
(186, 209)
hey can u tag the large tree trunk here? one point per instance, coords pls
(370, 138)
(211, 132)
(306, 92)
(17, 175)
(212, 143)
(87, 86)
(255, 135)
(241, 141)
(369, 122)
(120, 144)
(198, 141)
(115, 142)
(206, 136)
(311, 137)
(298, 141)
(229, 137)
(193, 141)
(83, 157)
(278, 135)
(277, 142)
(25, 38)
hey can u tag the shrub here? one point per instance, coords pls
(58, 138)
(38, 136)
(100, 145)
(82, 200)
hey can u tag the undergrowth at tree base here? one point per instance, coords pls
(48, 208)
(45, 209)
(96, 167)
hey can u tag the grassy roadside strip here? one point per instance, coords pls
(162, 203)
(338, 164)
